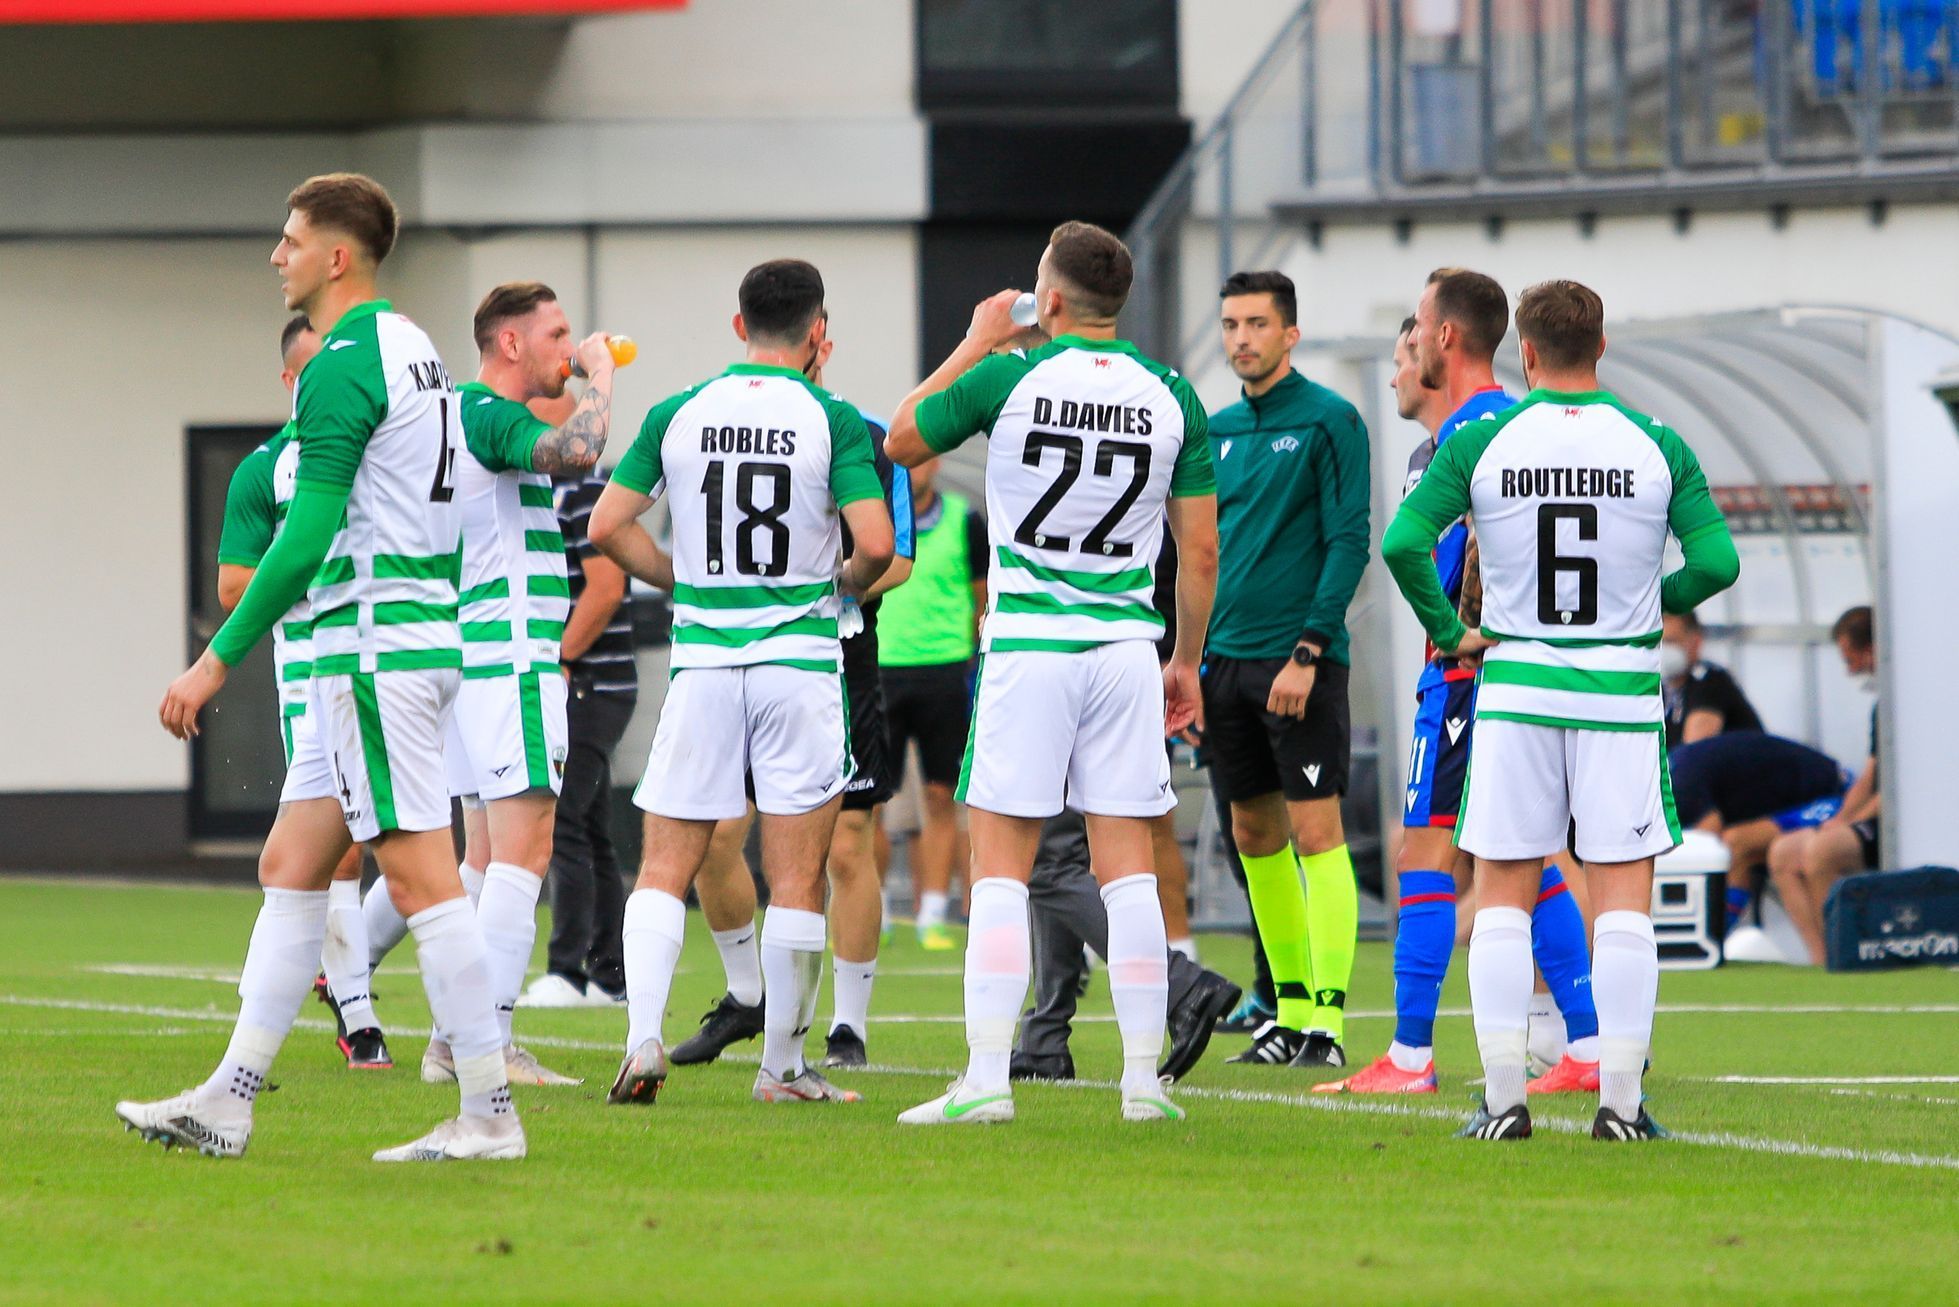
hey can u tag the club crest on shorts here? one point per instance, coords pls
(558, 761)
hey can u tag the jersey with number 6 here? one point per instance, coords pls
(376, 413)
(1086, 440)
(1574, 496)
(755, 463)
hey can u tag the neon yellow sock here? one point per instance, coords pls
(1333, 909)
(1279, 908)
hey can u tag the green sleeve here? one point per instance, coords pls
(1709, 561)
(286, 571)
(1194, 473)
(249, 511)
(342, 399)
(853, 472)
(1439, 498)
(1346, 497)
(640, 471)
(500, 432)
(971, 404)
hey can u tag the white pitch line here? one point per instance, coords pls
(1830, 1080)
(1314, 1102)
(1894, 1098)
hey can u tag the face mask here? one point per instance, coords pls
(1673, 661)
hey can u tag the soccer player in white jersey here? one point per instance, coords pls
(1088, 444)
(255, 506)
(1574, 495)
(762, 469)
(506, 746)
(371, 541)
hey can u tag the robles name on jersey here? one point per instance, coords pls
(755, 463)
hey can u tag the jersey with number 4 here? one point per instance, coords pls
(1086, 441)
(1573, 496)
(376, 413)
(755, 464)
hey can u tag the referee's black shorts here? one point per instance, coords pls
(1254, 752)
(875, 779)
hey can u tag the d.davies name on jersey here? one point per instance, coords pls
(1091, 417)
(1567, 483)
(748, 440)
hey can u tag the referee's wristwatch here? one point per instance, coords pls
(1304, 654)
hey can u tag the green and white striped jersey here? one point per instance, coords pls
(515, 595)
(1086, 442)
(755, 464)
(376, 413)
(254, 511)
(1573, 497)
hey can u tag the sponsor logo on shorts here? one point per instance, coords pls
(498, 771)
(1312, 774)
(1455, 726)
(1641, 830)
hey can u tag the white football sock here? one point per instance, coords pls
(851, 997)
(279, 970)
(998, 960)
(344, 955)
(1186, 946)
(656, 922)
(792, 967)
(742, 963)
(385, 926)
(507, 913)
(1547, 1035)
(1625, 986)
(456, 977)
(1583, 1050)
(1139, 976)
(1499, 999)
(1406, 1058)
(472, 880)
(931, 909)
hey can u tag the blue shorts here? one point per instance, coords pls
(1438, 761)
(1813, 813)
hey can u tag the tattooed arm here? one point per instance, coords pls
(1470, 608)
(575, 447)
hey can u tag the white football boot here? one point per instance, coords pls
(521, 1067)
(552, 990)
(956, 1106)
(464, 1139)
(1147, 1106)
(641, 1075)
(438, 1063)
(186, 1121)
(806, 1086)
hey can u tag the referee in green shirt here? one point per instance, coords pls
(1293, 495)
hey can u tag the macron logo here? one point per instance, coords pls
(1312, 774)
(1224, 450)
(341, 344)
(1455, 727)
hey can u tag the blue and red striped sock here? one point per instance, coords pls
(1557, 943)
(1423, 940)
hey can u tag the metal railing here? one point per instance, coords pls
(1391, 110)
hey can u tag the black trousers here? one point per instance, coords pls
(588, 894)
(1066, 911)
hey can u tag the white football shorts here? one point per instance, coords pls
(308, 773)
(1088, 725)
(382, 733)
(784, 726)
(1529, 785)
(507, 735)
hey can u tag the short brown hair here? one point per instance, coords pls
(352, 204)
(1276, 284)
(1564, 321)
(1476, 305)
(513, 299)
(1095, 264)
(1855, 626)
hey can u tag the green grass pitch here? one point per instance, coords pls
(1773, 1191)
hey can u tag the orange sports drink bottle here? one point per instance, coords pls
(623, 349)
